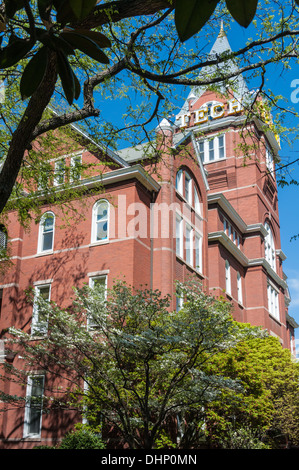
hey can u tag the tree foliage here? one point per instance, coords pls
(138, 368)
(268, 401)
(119, 50)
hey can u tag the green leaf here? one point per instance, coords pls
(14, 52)
(81, 8)
(67, 77)
(192, 15)
(33, 73)
(86, 45)
(101, 40)
(242, 11)
(56, 43)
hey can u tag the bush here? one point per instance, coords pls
(81, 439)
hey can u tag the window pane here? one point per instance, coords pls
(102, 221)
(189, 259)
(35, 404)
(221, 146)
(179, 236)
(201, 151)
(211, 150)
(179, 181)
(47, 241)
(188, 185)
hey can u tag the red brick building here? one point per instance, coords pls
(197, 210)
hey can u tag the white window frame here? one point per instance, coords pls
(228, 284)
(188, 188)
(189, 244)
(198, 249)
(74, 158)
(211, 144)
(179, 303)
(94, 222)
(42, 233)
(270, 253)
(59, 172)
(273, 301)
(28, 407)
(36, 325)
(179, 235)
(179, 181)
(92, 280)
(269, 159)
(239, 288)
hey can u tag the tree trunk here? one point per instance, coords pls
(22, 136)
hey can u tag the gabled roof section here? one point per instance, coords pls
(237, 84)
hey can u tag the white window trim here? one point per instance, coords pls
(228, 284)
(26, 433)
(270, 252)
(94, 241)
(189, 249)
(198, 238)
(179, 223)
(35, 322)
(188, 178)
(206, 145)
(273, 301)
(41, 232)
(56, 171)
(73, 158)
(91, 285)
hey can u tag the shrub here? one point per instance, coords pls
(81, 439)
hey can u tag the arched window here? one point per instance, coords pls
(100, 221)
(179, 181)
(185, 186)
(228, 287)
(270, 247)
(46, 232)
(188, 188)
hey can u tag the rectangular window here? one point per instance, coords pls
(59, 172)
(179, 303)
(221, 152)
(76, 165)
(96, 281)
(269, 159)
(34, 405)
(212, 149)
(201, 151)
(189, 243)
(198, 252)
(227, 278)
(39, 322)
(179, 236)
(273, 301)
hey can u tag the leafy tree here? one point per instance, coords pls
(142, 365)
(74, 54)
(268, 401)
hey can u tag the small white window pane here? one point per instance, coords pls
(189, 257)
(188, 188)
(221, 147)
(211, 150)
(179, 241)
(179, 181)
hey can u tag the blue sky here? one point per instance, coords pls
(288, 197)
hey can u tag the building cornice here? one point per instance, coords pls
(225, 241)
(123, 174)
